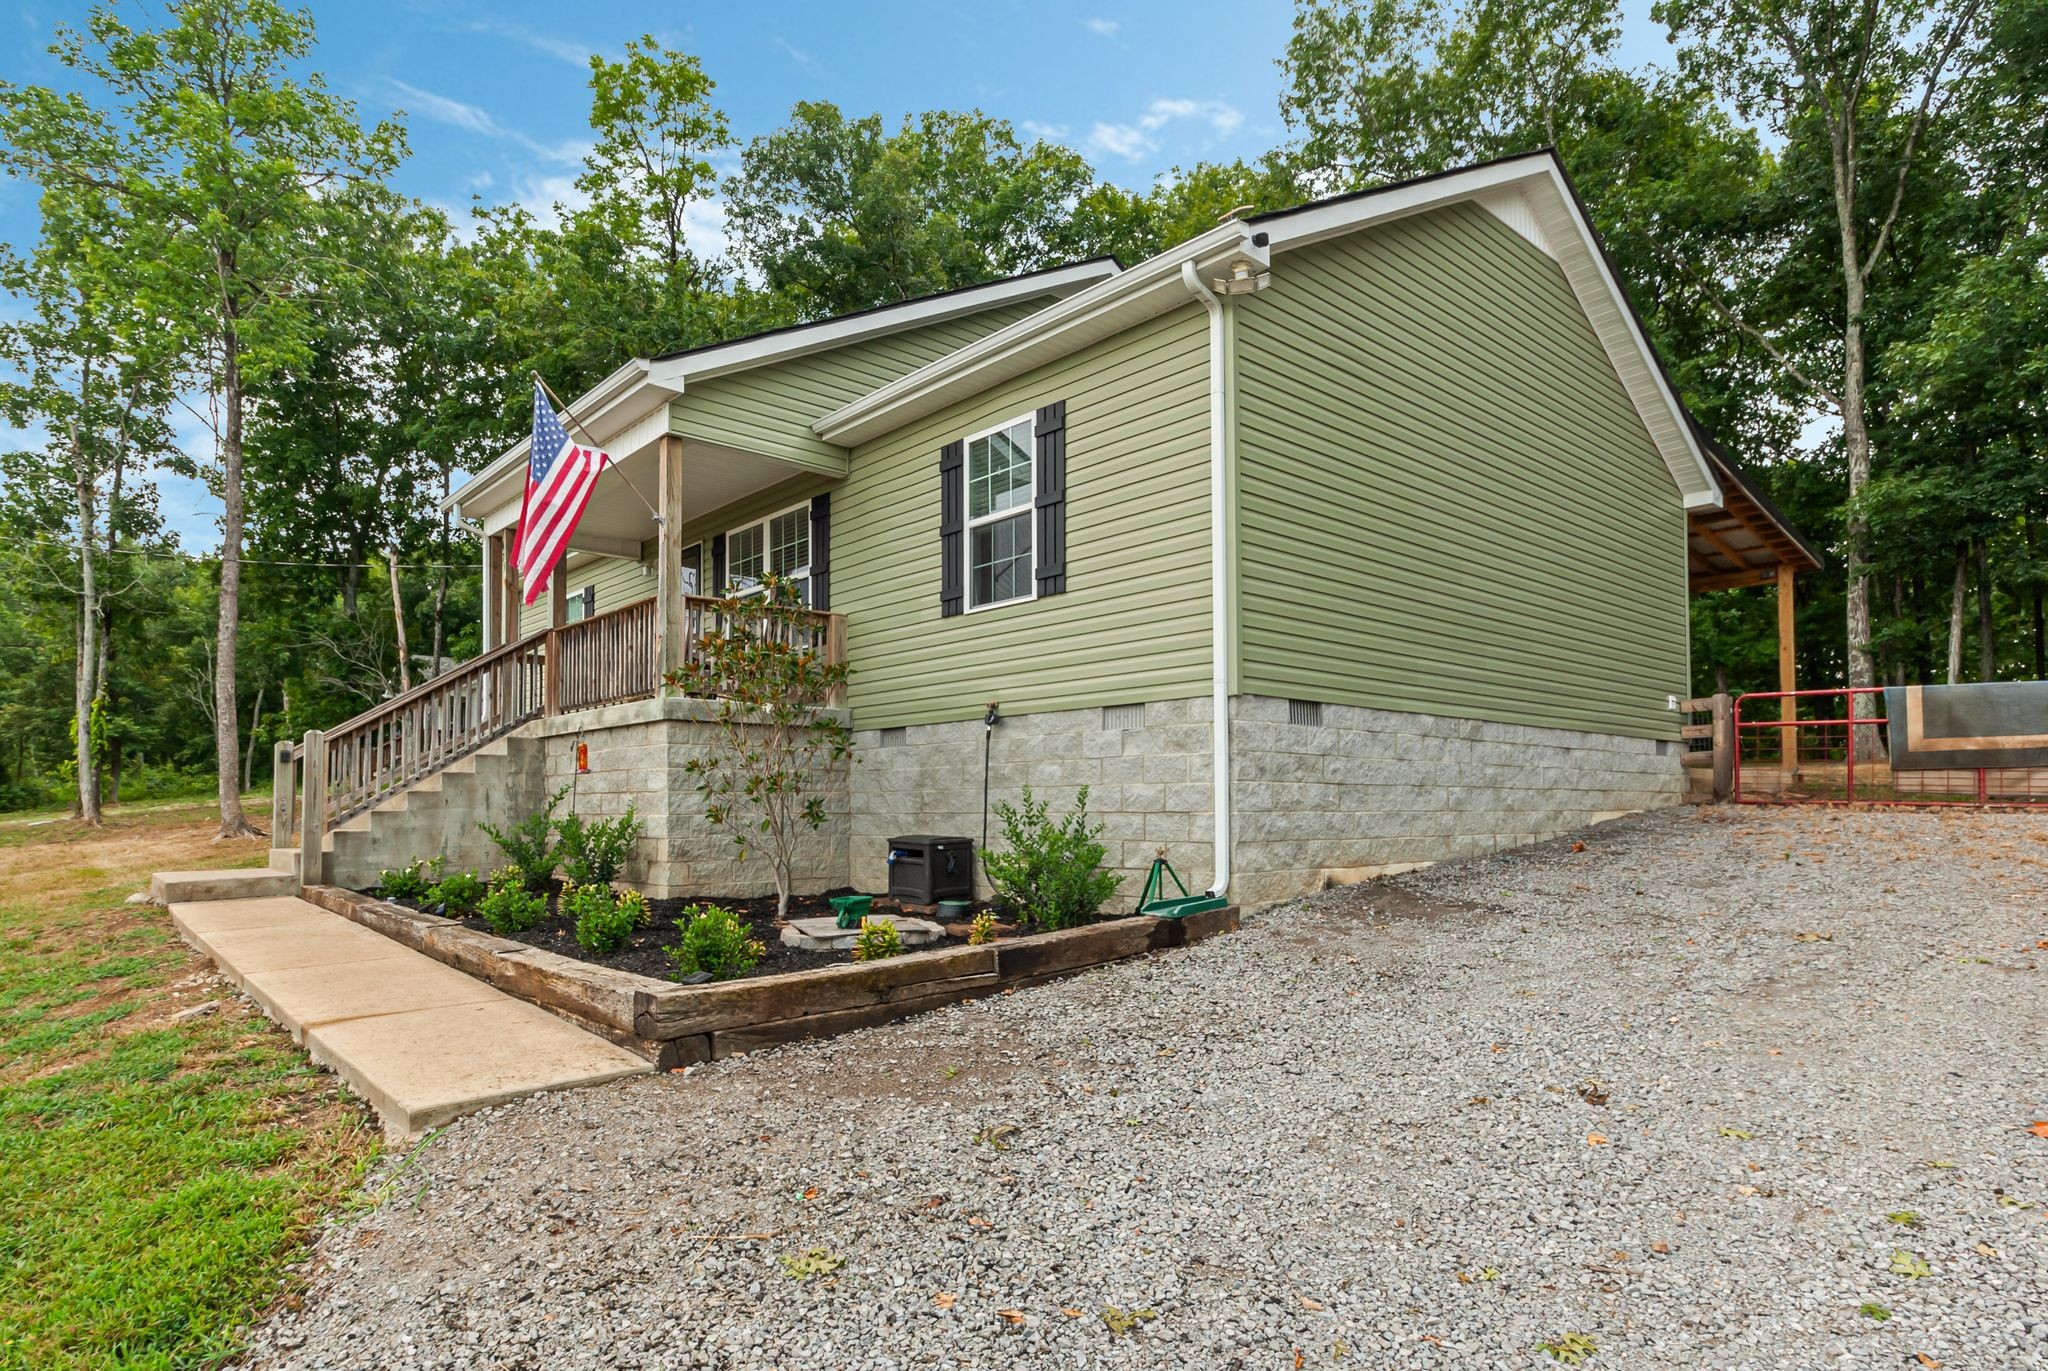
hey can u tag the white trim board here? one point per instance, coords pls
(1528, 193)
(627, 398)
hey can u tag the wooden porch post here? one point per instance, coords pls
(1787, 664)
(558, 617)
(495, 582)
(669, 617)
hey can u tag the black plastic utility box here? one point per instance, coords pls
(924, 869)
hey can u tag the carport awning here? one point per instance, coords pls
(1747, 541)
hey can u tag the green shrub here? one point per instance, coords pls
(982, 930)
(878, 939)
(409, 882)
(510, 907)
(458, 894)
(605, 918)
(528, 845)
(1050, 874)
(714, 940)
(594, 853)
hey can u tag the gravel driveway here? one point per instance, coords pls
(1689, 1095)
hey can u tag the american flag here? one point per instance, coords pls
(559, 478)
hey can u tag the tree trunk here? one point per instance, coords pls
(398, 623)
(85, 678)
(1955, 615)
(2040, 618)
(249, 752)
(1855, 440)
(440, 643)
(1987, 628)
(226, 740)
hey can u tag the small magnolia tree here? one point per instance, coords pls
(761, 659)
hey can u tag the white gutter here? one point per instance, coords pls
(1219, 593)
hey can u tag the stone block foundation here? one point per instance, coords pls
(1342, 794)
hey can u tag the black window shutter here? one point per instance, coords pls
(952, 527)
(589, 602)
(717, 564)
(1052, 498)
(821, 551)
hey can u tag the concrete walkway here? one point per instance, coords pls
(420, 1041)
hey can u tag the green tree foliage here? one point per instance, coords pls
(840, 213)
(214, 217)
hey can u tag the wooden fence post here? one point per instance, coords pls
(313, 809)
(282, 784)
(1724, 745)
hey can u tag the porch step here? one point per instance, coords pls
(501, 782)
(239, 883)
(421, 1042)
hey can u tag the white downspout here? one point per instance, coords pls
(1219, 594)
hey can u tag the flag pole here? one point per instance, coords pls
(619, 467)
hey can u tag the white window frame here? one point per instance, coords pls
(585, 594)
(802, 573)
(968, 523)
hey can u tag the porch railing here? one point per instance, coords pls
(607, 659)
(383, 750)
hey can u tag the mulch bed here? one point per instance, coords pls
(644, 954)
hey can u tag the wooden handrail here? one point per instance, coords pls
(383, 750)
(606, 659)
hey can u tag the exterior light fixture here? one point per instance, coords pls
(1244, 278)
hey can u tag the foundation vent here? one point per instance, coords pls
(1307, 713)
(895, 737)
(1116, 717)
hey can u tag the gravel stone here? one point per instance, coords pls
(1435, 1121)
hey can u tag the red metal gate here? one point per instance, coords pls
(1802, 755)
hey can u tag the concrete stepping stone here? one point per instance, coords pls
(823, 934)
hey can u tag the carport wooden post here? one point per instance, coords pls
(669, 607)
(1788, 709)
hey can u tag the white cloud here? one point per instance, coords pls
(1222, 117)
(1050, 133)
(704, 228)
(1119, 140)
(561, 49)
(1102, 28)
(443, 109)
(1134, 140)
(795, 54)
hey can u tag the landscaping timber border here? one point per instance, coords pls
(675, 1025)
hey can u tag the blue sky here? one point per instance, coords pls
(496, 104)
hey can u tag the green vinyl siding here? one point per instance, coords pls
(1446, 502)
(1134, 622)
(752, 509)
(769, 409)
(619, 581)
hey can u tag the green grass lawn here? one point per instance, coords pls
(155, 1177)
